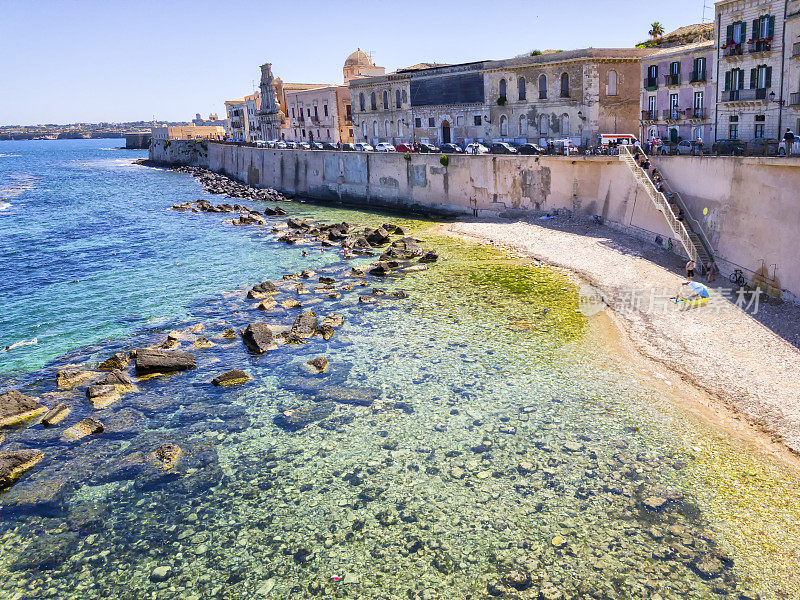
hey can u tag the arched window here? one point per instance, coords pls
(361, 101)
(523, 93)
(612, 83)
(373, 102)
(503, 125)
(399, 127)
(375, 132)
(386, 128)
(523, 126)
(405, 96)
(385, 99)
(502, 88)
(543, 125)
(564, 85)
(397, 98)
(565, 124)
(542, 87)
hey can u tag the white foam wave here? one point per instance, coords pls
(5, 205)
(9, 155)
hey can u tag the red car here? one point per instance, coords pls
(404, 148)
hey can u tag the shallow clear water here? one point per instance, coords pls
(502, 454)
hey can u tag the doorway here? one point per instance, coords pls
(445, 132)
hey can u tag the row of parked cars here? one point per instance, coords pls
(422, 148)
(755, 147)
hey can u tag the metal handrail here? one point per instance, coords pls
(661, 202)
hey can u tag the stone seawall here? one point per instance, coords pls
(754, 224)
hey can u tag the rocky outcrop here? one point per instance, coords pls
(230, 378)
(150, 361)
(16, 407)
(102, 396)
(408, 245)
(318, 364)
(262, 290)
(56, 414)
(13, 463)
(258, 338)
(118, 360)
(305, 325)
(68, 378)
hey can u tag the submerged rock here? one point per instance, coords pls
(258, 338)
(229, 334)
(429, 257)
(16, 407)
(56, 414)
(319, 364)
(13, 463)
(81, 429)
(518, 578)
(149, 361)
(68, 378)
(168, 453)
(349, 395)
(232, 377)
(160, 574)
(294, 419)
(118, 360)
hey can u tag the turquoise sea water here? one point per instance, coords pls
(460, 446)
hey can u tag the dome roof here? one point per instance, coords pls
(359, 58)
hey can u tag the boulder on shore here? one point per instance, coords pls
(151, 360)
(258, 338)
(13, 463)
(232, 377)
(305, 325)
(409, 245)
(16, 407)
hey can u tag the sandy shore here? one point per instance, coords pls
(749, 362)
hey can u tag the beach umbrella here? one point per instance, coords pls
(698, 288)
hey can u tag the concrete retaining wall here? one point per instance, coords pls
(753, 216)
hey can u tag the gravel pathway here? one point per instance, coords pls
(750, 362)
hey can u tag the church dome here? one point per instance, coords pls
(359, 58)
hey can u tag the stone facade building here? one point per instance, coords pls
(320, 115)
(751, 57)
(242, 118)
(576, 94)
(678, 93)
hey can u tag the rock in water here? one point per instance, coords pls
(379, 237)
(55, 415)
(229, 334)
(116, 378)
(13, 463)
(258, 338)
(320, 364)
(102, 395)
(429, 257)
(366, 300)
(83, 428)
(518, 578)
(16, 407)
(72, 377)
(168, 453)
(262, 290)
(296, 418)
(305, 325)
(655, 503)
(160, 574)
(117, 361)
(409, 245)
(232, 377)
(149, 360)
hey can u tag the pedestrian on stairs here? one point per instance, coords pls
(690, 266)
(711, 270)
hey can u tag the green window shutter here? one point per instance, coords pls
(744, 31)
(678, 68)
(727, 80)
(771, 27)
(755, 28)
(753, 78)
(769, 77)
(729, 34)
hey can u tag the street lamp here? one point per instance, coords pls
(772, 98)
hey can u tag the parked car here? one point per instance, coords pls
(426, 148)
(328, 146)
(315, 145)
(404, 147)
(304, 145)
(502, 148)
(364, 147)
(686, 147)
(272, 143)
(763, 147)
(531, 149)
(728, 147)
(795, 147)
(476, 148)
(282, 145)
(384, 147)
(451, 149)
(347, 147)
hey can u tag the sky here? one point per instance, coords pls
(65, 61)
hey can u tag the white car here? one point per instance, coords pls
(385, 147)
(363, 147)
(476, 148)
(281, 145)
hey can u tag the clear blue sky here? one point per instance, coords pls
(68, 61)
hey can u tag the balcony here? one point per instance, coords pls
(744, 95)
(672, 114)
(649, 115)
(650, 83)
(758, 46)
(794, 99)
(732, 49)
(672, 79)
(696, 113)
(698, 77)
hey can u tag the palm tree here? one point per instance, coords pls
(656, 30)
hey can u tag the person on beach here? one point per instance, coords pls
(690, 266)
(711, 270)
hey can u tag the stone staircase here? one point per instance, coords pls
(696, 248)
